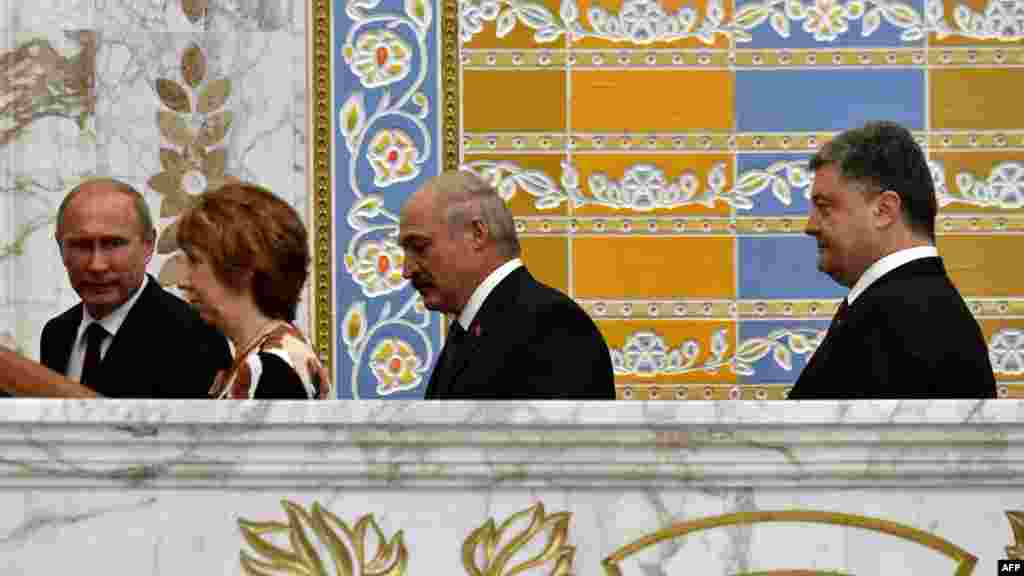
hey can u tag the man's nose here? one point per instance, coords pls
(98, 258)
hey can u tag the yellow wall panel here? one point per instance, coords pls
(983, 266)
(493, 101)
(652, 100)
(548, 260)
(653, 267)
(976, 98)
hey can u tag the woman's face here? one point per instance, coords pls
(205, 291)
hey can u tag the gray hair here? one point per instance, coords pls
(466, 197)
(141, 208)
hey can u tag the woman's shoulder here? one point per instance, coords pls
(289, 357)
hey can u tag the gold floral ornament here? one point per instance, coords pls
(394, 363)
(1016, 550)
(392, 156)
(195, 124)
(194, 10)
(379, 58)
(500, 551)
(307, 553)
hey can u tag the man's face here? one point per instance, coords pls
(103, 247)
(841, 219)
(435, 262)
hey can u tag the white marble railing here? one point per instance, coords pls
(148, 487)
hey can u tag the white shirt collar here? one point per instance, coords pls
(887, 264)
(476, 301)
(111, 322)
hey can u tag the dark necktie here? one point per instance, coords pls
(456, 336)
(94, 336)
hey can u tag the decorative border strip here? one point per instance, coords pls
(647, 391)
(1004, 57)
(980, 141)
(641, 58)
(801, 142)
(819, 309)
(696, 391)
(560, 225)
(451, 122)
(749, 308)
(947, 225)
(320, 112)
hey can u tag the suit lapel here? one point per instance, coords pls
(60, 355)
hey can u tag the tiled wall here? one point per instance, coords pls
(655, 156)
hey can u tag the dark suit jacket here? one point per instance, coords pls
(534, 343)
(909, 335)
(162, 350)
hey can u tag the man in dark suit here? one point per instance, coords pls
(512, 337)
(128, 337)
(904, 330)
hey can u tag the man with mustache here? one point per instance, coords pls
(512, 337)
(128, 337)
(903, 331)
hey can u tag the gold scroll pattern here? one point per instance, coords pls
(495, 549)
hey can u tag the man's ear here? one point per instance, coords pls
(888, 208)
(479, 233)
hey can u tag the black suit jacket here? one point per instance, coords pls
(162, 350)
(909, 335)
(534, 343)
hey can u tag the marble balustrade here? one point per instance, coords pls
(146, 487)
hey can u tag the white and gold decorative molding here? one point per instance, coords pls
(384, 487)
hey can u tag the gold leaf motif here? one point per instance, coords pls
(1016, 550)
(174, 204)
(489, 544)
(172, 160)
(194, 9)
(331, 534)
(173, 271)
(165, 183)
(173, 95)
(174, 128)
(214, 129)
(193, 65)
(214, 95)
(214, 163)
(168, 241)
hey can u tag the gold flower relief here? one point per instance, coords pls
(527, 540)
(318, 538)
(491, 551)
(195, 124)
(194, 10)
(1016, 550)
